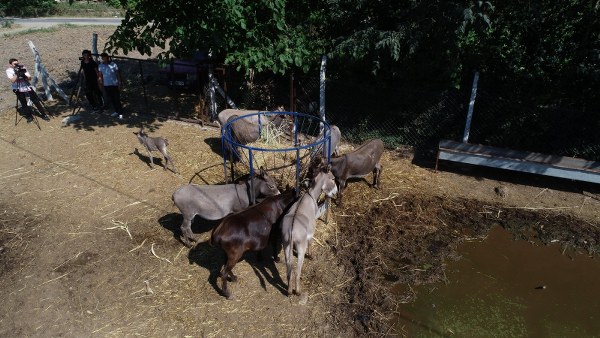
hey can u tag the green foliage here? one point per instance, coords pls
(27, 8)
(431, 44)
(88, 9)
(6, 23)
(549, 48)
(260, 35)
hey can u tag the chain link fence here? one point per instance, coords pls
(398, 114)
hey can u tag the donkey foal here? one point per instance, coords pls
(155, 144)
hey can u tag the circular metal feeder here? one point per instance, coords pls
(285, 151)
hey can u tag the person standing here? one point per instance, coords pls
(19, 78)
(109, 76)
(91, 75)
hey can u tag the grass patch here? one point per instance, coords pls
(6, 23)
(52, 29)
(87, 9)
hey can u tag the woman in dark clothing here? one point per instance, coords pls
(90, 75)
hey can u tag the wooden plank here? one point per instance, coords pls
(536, 163)
(554, 160)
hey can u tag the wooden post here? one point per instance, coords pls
(40, 70)
(95, 46)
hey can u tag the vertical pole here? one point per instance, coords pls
(95, 46)
(225, 83)
(471, 105)
(143, 85)
(224, 155)
(322, 89)
(298, 157)
(292, 93)
(297, 187)
(327, 147)
(326, 151)
(211, 93)
(252, 197)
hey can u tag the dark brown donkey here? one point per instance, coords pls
(248, 230)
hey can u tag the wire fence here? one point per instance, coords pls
(399, 115)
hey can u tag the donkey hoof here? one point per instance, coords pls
(186, 241)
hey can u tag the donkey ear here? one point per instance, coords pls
(262, 171)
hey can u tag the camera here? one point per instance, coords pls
(20, 70)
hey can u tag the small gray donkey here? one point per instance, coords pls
(155, 144)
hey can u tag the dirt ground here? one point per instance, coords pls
(89, 235)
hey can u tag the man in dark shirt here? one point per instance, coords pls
(90, 75)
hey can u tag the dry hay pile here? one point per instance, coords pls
(275, 151)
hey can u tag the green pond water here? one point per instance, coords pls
(507, 288)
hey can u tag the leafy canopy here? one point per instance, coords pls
(432, 42)
(259, 34)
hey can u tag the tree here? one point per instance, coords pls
(27, 8)
(261, 34)
(434, 43)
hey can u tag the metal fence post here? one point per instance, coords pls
(143, 85)
(211, 93)
(95, 46)
(471, 105)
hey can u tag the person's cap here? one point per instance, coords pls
(104, 54)
(86, 51)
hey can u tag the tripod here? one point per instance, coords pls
(33, 102)
(90, 93)
(77, 105)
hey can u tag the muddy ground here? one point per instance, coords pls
(89, 235)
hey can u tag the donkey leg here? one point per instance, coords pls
(275, 247)
(228, 273)
(151, 159)
(376, 175)
(187, 236)
(224, 288)
(301, 250)
(168, 159)
(288, 255)
(340, 194)
(308, 254)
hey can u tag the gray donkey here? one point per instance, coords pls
(155, 144)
